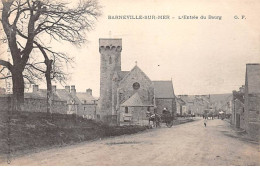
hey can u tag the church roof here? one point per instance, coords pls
(135, 69)
(122, 74)
(253, 78)
(163, 89)
(134, 101)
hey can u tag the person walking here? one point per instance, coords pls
(205, 122)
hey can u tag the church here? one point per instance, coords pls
(127, 96)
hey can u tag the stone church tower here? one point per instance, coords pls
(110, 64)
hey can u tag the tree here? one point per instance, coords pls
(52, 71)
(27, 22)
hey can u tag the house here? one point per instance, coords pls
(127, 96)
(180, 107)
(88, 104)
(80, 103)
(189, 103)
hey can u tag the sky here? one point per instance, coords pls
(202, 56)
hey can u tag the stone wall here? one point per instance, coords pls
(35, 105)
(135, 116)
(253, 116)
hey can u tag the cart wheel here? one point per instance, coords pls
(169, 124)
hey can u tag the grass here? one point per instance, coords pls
(27, 132)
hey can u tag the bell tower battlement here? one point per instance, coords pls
(110, 62)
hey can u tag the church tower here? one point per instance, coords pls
(110, 63)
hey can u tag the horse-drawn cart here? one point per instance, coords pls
(166, 117)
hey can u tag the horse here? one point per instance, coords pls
(155, 118)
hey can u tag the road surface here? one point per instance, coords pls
(186, 144)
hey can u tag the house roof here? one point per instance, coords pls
(63, 94)
(188, 99)
(41, 94)
(253, 78)
(83, 96)
(134, 101)
(179, 100)
(163, 89)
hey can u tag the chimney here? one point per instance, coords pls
(89, 92)
(73, 90)
(67, 88)
(242, 89)
(35, 88)
(53, 88)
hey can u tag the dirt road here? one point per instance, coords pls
(186, 144)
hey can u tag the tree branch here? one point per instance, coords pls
(8, 65)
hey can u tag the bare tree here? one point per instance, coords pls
(26, 22)
(53, 70)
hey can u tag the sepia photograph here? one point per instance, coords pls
(129, 83)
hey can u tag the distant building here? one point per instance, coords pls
(195, 104)
(180, 107)
(80, 103)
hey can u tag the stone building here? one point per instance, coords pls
(35, 101)
(237, 117)
(180, 107)
(88, 104)
(252, 100)
(126, 96)
(80, 103)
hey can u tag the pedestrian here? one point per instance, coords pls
(205, 122)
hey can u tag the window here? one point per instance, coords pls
(110, 60)
(98, 116)
(136, 85)
(148, 108)
(126, 109)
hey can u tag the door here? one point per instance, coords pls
(237, 120)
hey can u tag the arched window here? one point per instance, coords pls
(110, 60)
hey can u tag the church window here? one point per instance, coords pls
(110, 60)
(126, 109)
(136, 85)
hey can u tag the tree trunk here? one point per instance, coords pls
(49, 86)
(18, 89)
